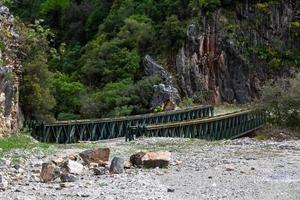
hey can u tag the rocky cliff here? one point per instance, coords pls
(230, 53)
(10, 73)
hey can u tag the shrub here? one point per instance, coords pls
(282, 102)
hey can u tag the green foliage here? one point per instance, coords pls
(35, 95)
(120, 98)
(276, 58)
(173, 32)
(282, 101)
(158, 109)
(111, 63)
(262, 6)
(67, 94)
(186, 102)
(295, 24)
(19, 141)
(68, 116)
(209, 5)
(54, 5)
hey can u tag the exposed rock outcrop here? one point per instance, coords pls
(228, 54)
(10, 73)
(167, 90)
(215, 58)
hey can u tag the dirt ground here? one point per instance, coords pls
(245, 169)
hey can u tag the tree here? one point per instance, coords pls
(35, 95)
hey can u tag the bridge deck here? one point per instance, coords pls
(227, 126)
(98, 129)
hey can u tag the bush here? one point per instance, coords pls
(186, 102)
(282, 102)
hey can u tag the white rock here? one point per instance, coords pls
(3, 182)
(74, 167)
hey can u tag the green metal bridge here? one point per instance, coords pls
(99, 129)
(227, 126)
(195, 122)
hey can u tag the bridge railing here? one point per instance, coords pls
(226, 126)
(98, 129)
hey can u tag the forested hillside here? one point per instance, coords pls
(84, 58)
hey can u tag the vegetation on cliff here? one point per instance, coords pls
(84, 57)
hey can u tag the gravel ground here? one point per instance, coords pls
(239, 169)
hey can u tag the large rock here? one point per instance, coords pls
(49, 172)
(164, 94)
(73, 167)
(136, 159)
(167, 90)
(95, 156)
(117, 166)
(159, 159)
(68, 178)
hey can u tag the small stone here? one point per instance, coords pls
(83, 195)
(117, 166)
(95, 156)
(49, 172)
(252, 168)
(3, 183)
(171, 190)
(99, 171)
(66, 185)
(93, 165)
(103, 163)
(68, 178)
(58, 161)
(229, 169)
(18, 190)
(17, 166)
(210, 177)
(178, 162)
(72, 157)
(127, 165)
(4, 162)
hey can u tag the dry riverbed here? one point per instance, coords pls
(240, 169)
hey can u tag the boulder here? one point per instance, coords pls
(49, 172)
(73, 167)
(165, 91)
(136, 159)
(163, 94)
(68, 178)
(159, 159)
(95, 156)
(117, 166)
(3, 183)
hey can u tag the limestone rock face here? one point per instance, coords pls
(215, 60)
(223, 58)
(10, 74)
(167, 90)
